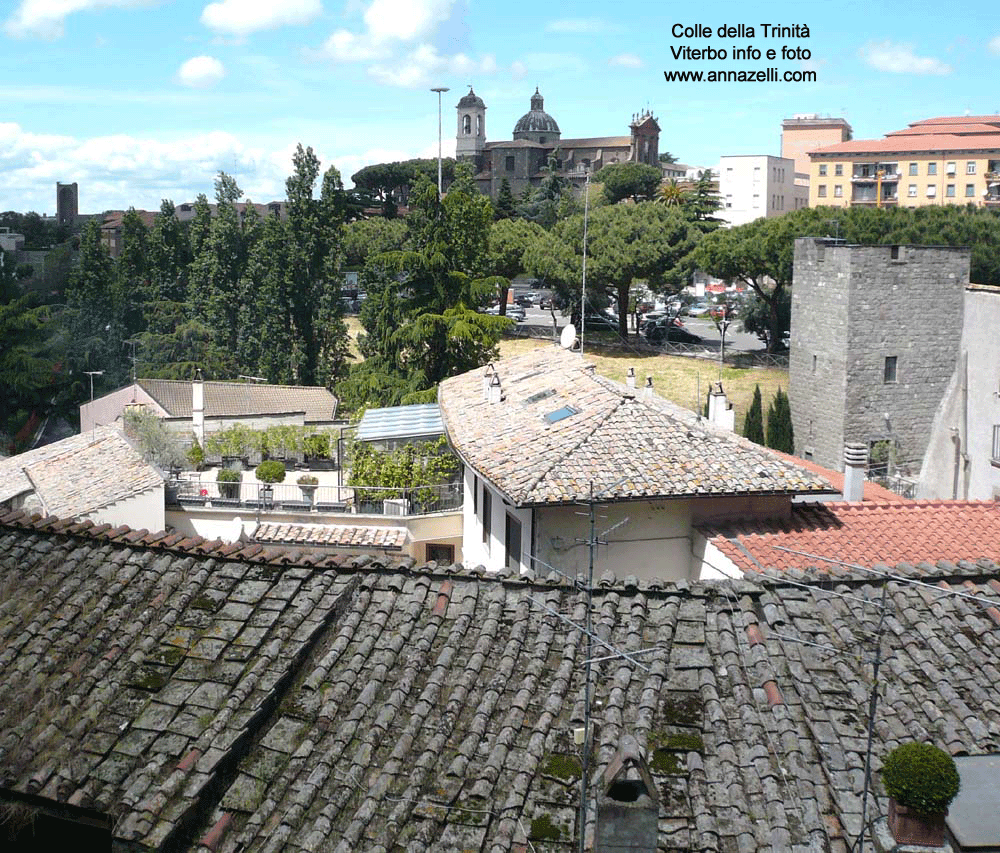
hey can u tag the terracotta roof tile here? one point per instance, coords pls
(243, 398)
(865, 534)
(626, 447)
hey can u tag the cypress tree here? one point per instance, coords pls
(753, 423)
(504, 207)
(779, 424)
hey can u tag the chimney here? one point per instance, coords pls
(630, 378)
(720, 410)
(627, 807)
(488, 374)
(647, 392)
(198, 408)
(494, 394)
(855, 467)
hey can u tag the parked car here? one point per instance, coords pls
(524, 300)
(668, 330)
(515, 312)
(699, 309)
(600, 322)
(545, 302)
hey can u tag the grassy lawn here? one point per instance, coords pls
(675, 377)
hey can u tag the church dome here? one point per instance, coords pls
(471, 100)
(536, 121)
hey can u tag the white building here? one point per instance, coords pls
(543, 433)
(752, 186)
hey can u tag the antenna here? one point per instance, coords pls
(583, 289)
(132, 357)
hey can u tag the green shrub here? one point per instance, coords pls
(196, 456)
(270, 471)
(921, 777)
(229, 481)
(753, 423)
(779, 424)
(308, 480)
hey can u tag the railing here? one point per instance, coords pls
(901, 479)
(291, 497)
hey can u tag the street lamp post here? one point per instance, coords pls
(440, 90)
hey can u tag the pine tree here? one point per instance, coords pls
(753, 424)
(779, 424)
(504, 207)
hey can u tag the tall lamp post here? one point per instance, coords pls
(440, 90)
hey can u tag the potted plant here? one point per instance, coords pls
(270, 471)
(229, 483)
(921, 781)
(308, 483)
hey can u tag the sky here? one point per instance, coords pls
(141, 100)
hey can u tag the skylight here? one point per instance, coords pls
(560, 414)
(539, 395)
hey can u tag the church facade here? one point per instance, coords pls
(524, 159)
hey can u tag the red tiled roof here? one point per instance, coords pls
(907, 144)
(924, 130)
(865, 534)
(992, 119)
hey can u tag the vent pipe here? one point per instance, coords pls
(855, 469)
(647, 391)
(494, 395)
(198, 408)
(630, 378)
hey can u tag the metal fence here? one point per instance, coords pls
(292, 497)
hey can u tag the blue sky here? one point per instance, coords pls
(137, 100)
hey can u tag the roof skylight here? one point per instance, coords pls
(560, 414)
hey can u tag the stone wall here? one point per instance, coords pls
(854, 307)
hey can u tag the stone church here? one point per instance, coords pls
(524, 159)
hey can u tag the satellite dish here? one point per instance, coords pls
(567, 337)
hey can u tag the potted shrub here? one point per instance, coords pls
(229, 483)
(270, 471)
(308, 483)
(921, 781)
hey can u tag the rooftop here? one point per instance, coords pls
(79, 474)
(243, 398)
(192, 697)
(865, 534)
(947, 133)
(608, 438)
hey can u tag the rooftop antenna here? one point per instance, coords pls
(132, 357)
(583, 289)
(92, 374)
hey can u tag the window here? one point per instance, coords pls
(932, 168)
(838, 191)
(950, 190)
(560, 414)
(466, 125)
(821, 191)
(541, 139)
(441, 553)
(475, 495)
(889, 373)
(911, 190)
(996, 443)
(950, 168)
(822, 170)
(931, 190)
(838, 170)
(970, 190)
(509, 163)
(970, 167)
(487, 517)
(513, 539)
(913, 168)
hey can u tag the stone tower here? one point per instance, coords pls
(874, 342)
(471, 139)
(67, 203)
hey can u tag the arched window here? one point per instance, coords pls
(466, 125)
(479, 125)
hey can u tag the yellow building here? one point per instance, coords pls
(947, 160)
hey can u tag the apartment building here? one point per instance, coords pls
(806, 132)
(757, 185)
(947, 160)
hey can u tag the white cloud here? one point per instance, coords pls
(242, 17)
(993, 45)
(393, 27)
(626, 60)
(423, 65)
(200, 72)
(900, 59)
(46, 18)
(578, 26)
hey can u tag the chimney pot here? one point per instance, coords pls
(630, 378)
(855, 468)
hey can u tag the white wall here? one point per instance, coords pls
(492, 554)
(142, 511)
(758, 185)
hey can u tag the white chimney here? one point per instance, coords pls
(488, 374)
(630, 378)
(494, 395)
(720, 410)
(647, 392)
(855, 467)
(198, 408)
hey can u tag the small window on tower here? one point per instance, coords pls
(510, 164)
(467, 125)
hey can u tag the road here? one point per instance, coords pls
(704, 326)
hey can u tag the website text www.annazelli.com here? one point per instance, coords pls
(766, 75)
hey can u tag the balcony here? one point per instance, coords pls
(195, 494)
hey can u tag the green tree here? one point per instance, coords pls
(132, 279)
(635, 181)
(753, 423)
(779, 424)
(703, 201)
(504, 207)
(509, 239)
(667, 157)
(366, 238)
(169, 255)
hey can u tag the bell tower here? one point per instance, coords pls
(471, 138)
